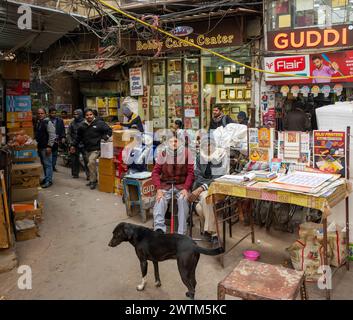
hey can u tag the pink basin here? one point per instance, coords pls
(251, 255)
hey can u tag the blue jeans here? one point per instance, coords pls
(47, 163)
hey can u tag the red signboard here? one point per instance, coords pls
(325, 66)
(17, 88)
(310, 38)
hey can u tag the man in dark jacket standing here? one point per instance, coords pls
(296, 119)
(71, 137)
(60, 134)
(45, 137)
(219, 118)
(90, 133)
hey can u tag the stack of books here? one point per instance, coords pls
(264, 176)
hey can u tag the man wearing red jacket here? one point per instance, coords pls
(174, 166)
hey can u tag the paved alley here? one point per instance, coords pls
(71, 258)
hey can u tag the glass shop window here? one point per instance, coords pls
(286, 14)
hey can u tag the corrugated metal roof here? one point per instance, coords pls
(48, 26)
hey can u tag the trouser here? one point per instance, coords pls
(54, 152)
(75, 163)
(160, 208)
(206, 214)
(47, 163)
(92, 157)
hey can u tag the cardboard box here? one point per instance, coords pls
(20, 124)
(28, 131)
(18, 104)
(13, 70)
(25, 182)
(121, 138)
(26, 229)
(26, 153)
(26, 210)
(26, 170)
(107, 150)
(106, 183)
(106, 167)
(19, 116)
(21, 195)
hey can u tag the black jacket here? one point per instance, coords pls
(72, 131)
(224, 121)
(59, 128)
(92, 134)
(44, 134)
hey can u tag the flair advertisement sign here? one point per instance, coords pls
(297, 65)
(321, 65)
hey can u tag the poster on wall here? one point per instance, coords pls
(63, 107)
(324, 66)
(18, 103)
(136, 83)
(330, 151)
(261, 144)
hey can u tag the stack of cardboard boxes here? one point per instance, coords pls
(27, 210)
(111, 167)
(19, 107)
(121, 139)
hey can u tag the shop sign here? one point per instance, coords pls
(136, 83)
(18, 103)
(17, 88)
(182, 31)
(334, 64)
(309, 38)
(204, 34)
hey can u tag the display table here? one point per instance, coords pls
(218, 190)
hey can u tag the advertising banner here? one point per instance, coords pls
(136, 83)
(17, 88)
(330, 151)
(326, 65)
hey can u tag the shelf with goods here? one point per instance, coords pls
(227, 84)
(174, 91)
(107, 106)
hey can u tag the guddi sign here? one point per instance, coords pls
(339, 36)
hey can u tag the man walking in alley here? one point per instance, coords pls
(71, 137)
(45, 137)
(219, 118)
(60, 134)
(90, 133)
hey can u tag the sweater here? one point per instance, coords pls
(178, 169)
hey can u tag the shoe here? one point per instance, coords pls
(46, 185)
(75, 177)
(42, 181)
(55, 170)
(93, 186)
(87, 178)
(160, 231)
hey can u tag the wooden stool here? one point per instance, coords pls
(252, 280)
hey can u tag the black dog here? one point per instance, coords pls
(154, 246)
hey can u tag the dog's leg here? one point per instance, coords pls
(141, 286)
(185, 277)
(156, 274)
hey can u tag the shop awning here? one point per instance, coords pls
(48, 25)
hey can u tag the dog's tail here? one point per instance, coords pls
(209, 252)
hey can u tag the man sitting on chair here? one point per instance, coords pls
(211, 163)
(174, 168)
